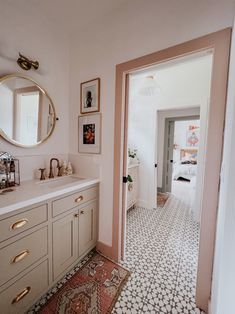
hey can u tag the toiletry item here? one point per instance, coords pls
(64, 168)
(3, 184)
(2, 167)
(69, 169)
(12, 166)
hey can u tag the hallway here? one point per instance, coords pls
(161, 253)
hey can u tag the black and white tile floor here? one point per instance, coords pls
(161, 253)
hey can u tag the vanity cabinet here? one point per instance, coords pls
(23, 221)
(19, 255)
(19, 296)
(73, 236)
(65, 243)
(87, 227)
(40, 243)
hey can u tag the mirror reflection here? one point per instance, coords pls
(27, 115)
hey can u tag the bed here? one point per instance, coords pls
(186, 167)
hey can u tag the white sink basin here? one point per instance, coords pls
(59, 182)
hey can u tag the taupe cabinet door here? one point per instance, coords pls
(65, 243)
(87, 227)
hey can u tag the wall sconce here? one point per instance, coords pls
(26, 64)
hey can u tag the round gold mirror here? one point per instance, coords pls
(27, 113)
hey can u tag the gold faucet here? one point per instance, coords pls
(51, 175)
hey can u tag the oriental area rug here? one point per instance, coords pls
(93, 289)
(161, 199)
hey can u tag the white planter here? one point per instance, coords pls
(133, 161)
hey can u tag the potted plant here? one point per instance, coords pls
(132, 156)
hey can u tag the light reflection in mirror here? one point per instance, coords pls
(27, 115)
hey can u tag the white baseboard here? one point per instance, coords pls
(143, 203)
(209, 307)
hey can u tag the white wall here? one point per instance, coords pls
(136, 29)
(223, 284)
(30, 33)
(180, 136)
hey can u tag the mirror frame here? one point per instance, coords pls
(4, 135)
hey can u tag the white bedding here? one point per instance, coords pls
(186, 171)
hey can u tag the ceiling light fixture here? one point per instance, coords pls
(149, 87)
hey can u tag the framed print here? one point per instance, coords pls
(90, 96)
(89, 134)
(192, 137)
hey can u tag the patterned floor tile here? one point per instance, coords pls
(161, 253)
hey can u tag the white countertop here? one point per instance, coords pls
(35, 191)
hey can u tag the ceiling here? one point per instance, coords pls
(66, 15)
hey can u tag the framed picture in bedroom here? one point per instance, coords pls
(89, 134)
(192, 137)
(90, 96)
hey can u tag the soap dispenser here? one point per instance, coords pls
(69, 169)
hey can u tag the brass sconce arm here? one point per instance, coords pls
(26, 64)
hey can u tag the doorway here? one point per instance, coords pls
(219, 44)
(180, 161)
(157, 92)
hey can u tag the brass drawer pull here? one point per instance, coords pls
(76, 215)
(20, 256)
(79, 199)
(21, 295)
(19, 224)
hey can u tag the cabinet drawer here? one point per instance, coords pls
(19, 255)
(63, 204)
(17, 298)
(13, 225)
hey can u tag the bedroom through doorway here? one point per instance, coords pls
(181, 151)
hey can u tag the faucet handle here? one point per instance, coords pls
(42, 177)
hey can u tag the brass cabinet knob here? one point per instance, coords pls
(19, 224)
(21, 295)
(82, 212)
(76, 215)
(79, 199)
(20, 256)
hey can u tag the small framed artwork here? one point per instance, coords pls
(89, 134)
(90, 96)
(192, 137)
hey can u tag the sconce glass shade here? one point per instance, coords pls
(149, 87)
